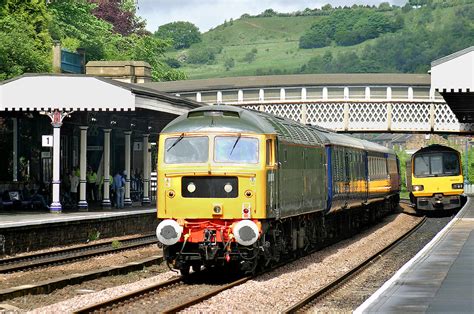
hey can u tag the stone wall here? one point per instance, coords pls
(124, 71)
(36, 237)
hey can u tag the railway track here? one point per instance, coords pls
(68, 255)
(306, 303)
(159, 296)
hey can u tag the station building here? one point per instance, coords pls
(53, 124)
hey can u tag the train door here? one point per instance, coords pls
(347, 177)
(366, 175)
(272, 178)
(407, 174)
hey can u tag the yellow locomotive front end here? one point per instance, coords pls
(437, 179)
(198, 180)
(210, 186)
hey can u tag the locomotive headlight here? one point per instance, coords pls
(457, 185)
(228, 187)
(418, 188)
(169, 232)
(191, 187)
(245, 232)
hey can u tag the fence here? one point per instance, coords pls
(469, 189)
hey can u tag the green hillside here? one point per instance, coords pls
(270, 44)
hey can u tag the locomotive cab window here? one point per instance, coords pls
(269, 153)
(433, 165)
(236, 149)
(179, 150)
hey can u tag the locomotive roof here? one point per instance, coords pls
(376, 147)
(435, 148)
(219, 119)
(222, 118)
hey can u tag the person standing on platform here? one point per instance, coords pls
(118, 186)
(92, 185)
(74, 180)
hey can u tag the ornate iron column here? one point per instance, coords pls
(56, 121)
(106, 199)
(83, 206)
(146, 171)
(127, 201)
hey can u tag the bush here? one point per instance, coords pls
(201, 56)
(173, 63)
(229, 63)
(93, 235)
(348, 27)
(116, 244)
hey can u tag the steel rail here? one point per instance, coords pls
(110, 303)
(326, 290)
(208, 295)
(71, 254)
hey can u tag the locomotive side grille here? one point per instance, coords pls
(210, 187)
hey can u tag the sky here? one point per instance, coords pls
(206, 14)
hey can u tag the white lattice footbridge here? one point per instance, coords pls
(370, 116)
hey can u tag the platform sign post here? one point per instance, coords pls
(57, 118)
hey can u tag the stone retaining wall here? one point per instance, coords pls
(37, 237)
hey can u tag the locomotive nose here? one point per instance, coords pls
(246, 232)
(168, 232)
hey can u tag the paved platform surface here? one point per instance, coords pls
(13, 219)
(439, 279)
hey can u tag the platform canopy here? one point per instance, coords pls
(453, 77)
(64, 92)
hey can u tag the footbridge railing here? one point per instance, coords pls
(369, 116)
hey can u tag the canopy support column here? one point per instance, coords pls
(56, 121)
(127, 201)
(146, 171)
(82, 170)
(106, 200)
(15, 149)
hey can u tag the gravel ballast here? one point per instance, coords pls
(353, 294)
(278, 289)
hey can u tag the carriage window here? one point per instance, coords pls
(236, 149)
(180, 150)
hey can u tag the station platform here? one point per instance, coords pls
(440, 278)
(13, 219)
(23, 231)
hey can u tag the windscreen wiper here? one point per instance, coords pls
(176, 142)
(235, 144)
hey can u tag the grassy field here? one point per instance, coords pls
(277, 38)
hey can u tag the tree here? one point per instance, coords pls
(25, 43)
(249, 57)
(326, 7)
(149, 49)
(183, 34)
(19, 51)
(74, 19)
(268, 13)
(229, 63)
(121, 14)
